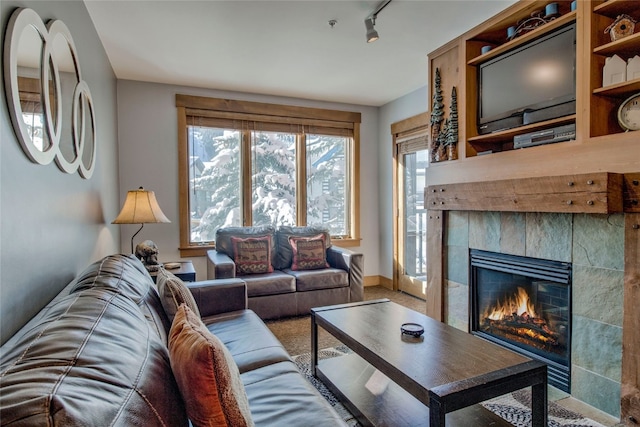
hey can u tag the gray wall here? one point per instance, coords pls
(148, 152)
(409, 105)
(52, 225)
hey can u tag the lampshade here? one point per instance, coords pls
(140, 207)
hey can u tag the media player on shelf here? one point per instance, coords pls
(547, 136)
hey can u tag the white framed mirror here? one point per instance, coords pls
(50, 104)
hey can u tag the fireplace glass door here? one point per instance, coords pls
(524, 304)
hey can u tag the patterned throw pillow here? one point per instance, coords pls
(174, 292)
(309, 253)
(207, 375)
(252, 255)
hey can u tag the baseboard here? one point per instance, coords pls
(378, 280)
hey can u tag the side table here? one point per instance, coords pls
(186, 272)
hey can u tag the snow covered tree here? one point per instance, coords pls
(273, 178)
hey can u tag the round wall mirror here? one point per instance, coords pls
(50, 105)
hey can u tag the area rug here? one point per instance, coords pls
(514, 407)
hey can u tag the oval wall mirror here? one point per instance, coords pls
(51, 107)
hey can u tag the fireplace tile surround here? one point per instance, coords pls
(594, 244)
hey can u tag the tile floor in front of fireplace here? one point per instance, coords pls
(294, 335)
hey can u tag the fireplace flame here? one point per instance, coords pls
(519, 304)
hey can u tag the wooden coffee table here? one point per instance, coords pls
(393, 379)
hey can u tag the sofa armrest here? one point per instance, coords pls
(219, 296)
(219, 266)
(352, 263)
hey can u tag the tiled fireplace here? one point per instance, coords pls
(593, 246)
(524, 304)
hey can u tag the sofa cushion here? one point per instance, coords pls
(224, 235)
(207, 376)
(284, 255)
(125, 275)
(89, 359)
(121, 273)
(252, 255)
(280, 396)
(311, 280)
(269, 283)
(309, 253)
(173, 292)
(248, 339)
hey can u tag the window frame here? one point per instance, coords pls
(312, 119)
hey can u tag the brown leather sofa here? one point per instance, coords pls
(97, 355)
(286, 292)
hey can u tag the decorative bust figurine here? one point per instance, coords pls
(147, 252)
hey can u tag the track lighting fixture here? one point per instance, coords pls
(372, 34)
(370, 22)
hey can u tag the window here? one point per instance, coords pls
(246, 163)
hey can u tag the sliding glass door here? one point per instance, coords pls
(412, 222)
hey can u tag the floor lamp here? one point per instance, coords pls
(140, 207)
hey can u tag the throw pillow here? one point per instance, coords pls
(173, 292)
(207, 376)
(284, 255)
(309, 253)
(252, 255)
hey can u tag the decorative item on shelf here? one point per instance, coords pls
(629, 113)
(140, 207)
(551, 11)
(535, 20)
(614, 71)
(437, 116)
(485, 49)
(633, 68)
(413, 329)
(147, 252)
(622, 27)
(452, 130)
(441, 154)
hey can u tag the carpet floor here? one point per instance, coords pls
(514, 408)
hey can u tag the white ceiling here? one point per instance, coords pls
(284, 48)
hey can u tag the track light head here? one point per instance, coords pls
(372, 34)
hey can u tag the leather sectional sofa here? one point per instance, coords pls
(285, 291)
(97, 355)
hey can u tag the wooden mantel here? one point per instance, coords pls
(594, 193)
(600, 192)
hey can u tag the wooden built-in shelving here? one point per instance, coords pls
(599, 141)
(619, 89)
(505, 46)
(536, 179)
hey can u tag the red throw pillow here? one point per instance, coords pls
(207, 375)
(252, 255)
(309, 253)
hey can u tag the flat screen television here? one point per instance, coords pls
(531, 83)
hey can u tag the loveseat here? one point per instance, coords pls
(284, 271)
(98, 355)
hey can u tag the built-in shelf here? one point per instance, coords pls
(619, 90)
(613, 8)
(503, 140)
(625, 46)
(539, 31)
